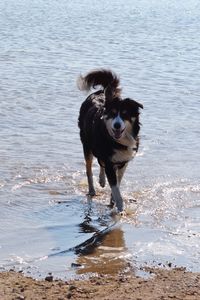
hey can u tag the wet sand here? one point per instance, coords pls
(162, 284)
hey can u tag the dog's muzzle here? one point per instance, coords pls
(118, 127)
(117, 133)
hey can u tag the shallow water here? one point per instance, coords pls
(47, 222)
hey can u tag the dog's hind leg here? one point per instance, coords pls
(88, 160)
(102, 178)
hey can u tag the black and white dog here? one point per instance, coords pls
(109, 128)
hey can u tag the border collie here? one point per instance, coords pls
(109, 128)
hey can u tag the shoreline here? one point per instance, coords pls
(163, 284)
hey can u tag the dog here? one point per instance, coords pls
(109, 130)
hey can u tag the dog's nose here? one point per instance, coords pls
(117, 125)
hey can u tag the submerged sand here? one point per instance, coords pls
(162, 284)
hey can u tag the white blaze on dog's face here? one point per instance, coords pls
(118, 126)
(120, 116)
(114, 123)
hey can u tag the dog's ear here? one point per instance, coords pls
(139, 105)
(134, 103)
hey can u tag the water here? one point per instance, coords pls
(47, 222)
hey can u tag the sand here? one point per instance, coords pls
(162, 284)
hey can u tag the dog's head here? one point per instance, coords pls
(121, 116)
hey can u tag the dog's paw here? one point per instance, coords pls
(116, 214)
(122, 213)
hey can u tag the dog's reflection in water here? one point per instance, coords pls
(107, 257)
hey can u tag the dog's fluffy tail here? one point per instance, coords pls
(101, 77)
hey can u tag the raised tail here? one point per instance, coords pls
(101, 77)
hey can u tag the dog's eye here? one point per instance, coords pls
(113, 112)
(124, 113)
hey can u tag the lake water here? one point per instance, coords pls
(47, 224)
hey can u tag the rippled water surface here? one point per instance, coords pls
(47, 222)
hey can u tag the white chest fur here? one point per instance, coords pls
(123, 155)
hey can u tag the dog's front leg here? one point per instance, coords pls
(120, 173)
(116, 196)
(112, 179)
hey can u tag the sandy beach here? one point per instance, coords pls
(162, 284)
